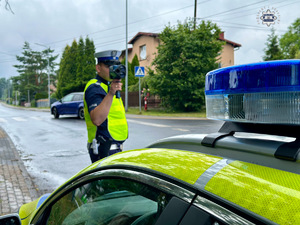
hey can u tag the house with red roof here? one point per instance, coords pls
(144, 45)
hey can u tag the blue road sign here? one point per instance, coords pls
(139, 71)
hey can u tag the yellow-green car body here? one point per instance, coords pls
(259, 191)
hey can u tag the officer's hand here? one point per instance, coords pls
(115, 86)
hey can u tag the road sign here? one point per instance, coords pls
(139, 71)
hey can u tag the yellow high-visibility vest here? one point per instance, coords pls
(116, 120)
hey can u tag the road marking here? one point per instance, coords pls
(185, 130)
(3, 120)
(19, 119)
(36, 118)
(148, 124)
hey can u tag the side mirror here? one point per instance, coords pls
(10, 219)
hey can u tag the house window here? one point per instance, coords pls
(143, 52)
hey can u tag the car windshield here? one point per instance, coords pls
(67, 98)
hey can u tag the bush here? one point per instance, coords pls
(53, 95)
(41, 96)
(33, 103)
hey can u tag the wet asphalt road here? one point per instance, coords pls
(53, 150)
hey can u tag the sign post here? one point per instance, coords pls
(139, 71)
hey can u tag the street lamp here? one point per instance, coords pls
(48, 71)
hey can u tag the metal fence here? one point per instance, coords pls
(42, 103)
(133, 100)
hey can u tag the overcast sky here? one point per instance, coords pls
(57, 23)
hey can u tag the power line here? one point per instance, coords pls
(233, 9)
(137, 21)
(244, 26)
(248, 26)
(158, 15)
(227, 19)
(6, 53)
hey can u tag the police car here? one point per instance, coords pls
(247, 173)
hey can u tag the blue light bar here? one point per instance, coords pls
(265, 92)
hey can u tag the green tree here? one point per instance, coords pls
(29, 72)
(183, 59)
(132, 80)
(62, 72)
(77, 67)
(68, 70)
(48, 65)
(33, 71)
(80, 60)
(272, 50)
(290, 41)
(3, 88)
(90, 68)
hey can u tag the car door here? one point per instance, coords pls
(76, 101)
(71, 107)
(115, 196)
(65, 104)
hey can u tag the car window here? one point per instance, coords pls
(78, 97)
(213, 213)
(109, 201)
(67, 98)
(196, 216)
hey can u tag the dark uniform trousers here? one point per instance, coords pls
(106, 147)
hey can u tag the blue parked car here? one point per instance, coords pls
(71, 104)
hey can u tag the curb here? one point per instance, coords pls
(25, 108)
(16, 185)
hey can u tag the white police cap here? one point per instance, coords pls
(107, 55)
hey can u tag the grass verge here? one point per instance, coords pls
(159, 112)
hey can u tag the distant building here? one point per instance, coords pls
(144, 45)
(227, 54)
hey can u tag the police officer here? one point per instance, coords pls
(104, 113)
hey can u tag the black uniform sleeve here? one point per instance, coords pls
(94, 95)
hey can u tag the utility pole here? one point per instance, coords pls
(28, 96)
(126, 60)
(8, 94)
(195, 14)
(48, 71)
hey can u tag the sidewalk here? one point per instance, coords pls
(16, 186)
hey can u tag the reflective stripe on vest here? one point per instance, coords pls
(116, 120)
